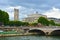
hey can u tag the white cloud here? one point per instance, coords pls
(17, 7)
(23, 11)
(54, 12)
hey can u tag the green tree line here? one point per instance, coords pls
(18, 23)
(4, 19)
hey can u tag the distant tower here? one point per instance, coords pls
(16, 14)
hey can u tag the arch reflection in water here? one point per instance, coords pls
(36, 32)
(55, 32)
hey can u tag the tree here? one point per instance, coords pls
(34, 24)
(57, 25)
(43, 21)
(4, 17)
(25, 23)
(52, 22)
(18, 23)
(15, 23)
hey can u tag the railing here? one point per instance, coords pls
(30, 27)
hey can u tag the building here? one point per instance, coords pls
(33, 17)
(16, 14)
(55, 20)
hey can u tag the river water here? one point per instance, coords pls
(31, 38)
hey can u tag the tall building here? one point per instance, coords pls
(16, 14)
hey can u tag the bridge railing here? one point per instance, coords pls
(43, 27)
(30, 27)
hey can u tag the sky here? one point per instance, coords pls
(51, 8)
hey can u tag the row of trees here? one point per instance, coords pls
(18, 23)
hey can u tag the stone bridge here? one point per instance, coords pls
(40, 30)
(46, 31)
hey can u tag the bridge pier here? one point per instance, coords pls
(47, 32)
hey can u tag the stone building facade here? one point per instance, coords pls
(16, 14)
(33, 17)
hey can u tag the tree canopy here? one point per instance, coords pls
(43, 21)
(18, 23)
(52, 22)
(4, 17)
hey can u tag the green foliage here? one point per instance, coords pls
(11, 23)
(4, 17)
(52, 22)
(57, 24)
(25, 23)
(34, 24)
(43, 21)
(8, 32)
(18, 23)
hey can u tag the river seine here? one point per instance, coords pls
(31, 38)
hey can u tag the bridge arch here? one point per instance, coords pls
(55, 32)
(36, 31)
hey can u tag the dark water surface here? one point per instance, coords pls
(31, 38)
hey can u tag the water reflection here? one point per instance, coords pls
(31, 38)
